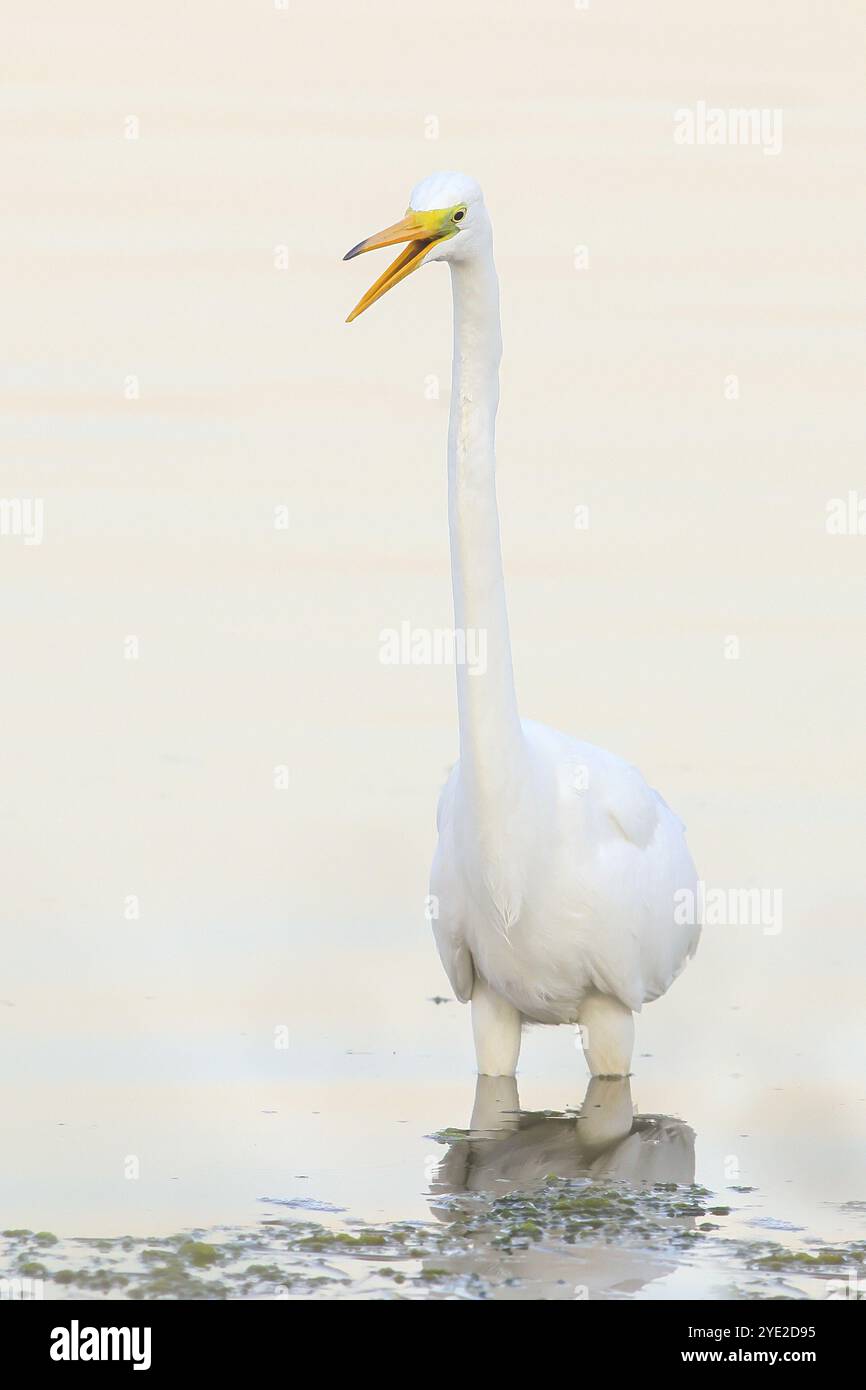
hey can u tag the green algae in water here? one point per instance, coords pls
(476, 1246)
(199, 1254)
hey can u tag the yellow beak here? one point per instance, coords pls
(420, 229)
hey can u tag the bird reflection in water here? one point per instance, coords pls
(508, 1152)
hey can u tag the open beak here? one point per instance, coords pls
(420, 230)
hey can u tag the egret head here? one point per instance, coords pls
(446, 221)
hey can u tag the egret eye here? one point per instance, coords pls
(459, 215)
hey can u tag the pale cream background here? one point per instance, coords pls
(155, 257)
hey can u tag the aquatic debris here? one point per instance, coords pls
(769, 1223)
(303, 1203)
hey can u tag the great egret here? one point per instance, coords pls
(555, 880)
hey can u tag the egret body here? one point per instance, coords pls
(557, 867)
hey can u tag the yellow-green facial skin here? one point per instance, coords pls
(442, 222)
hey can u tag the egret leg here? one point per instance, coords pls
(607, 1035)
(496, 1027)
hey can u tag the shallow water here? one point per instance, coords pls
(217, 1030)
(598, 1204)
(325, 1189)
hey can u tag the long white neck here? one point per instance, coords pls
(491, 741)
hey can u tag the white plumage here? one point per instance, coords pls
(558, 869)
(581, 894)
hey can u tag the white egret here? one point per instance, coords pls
(557, 868)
